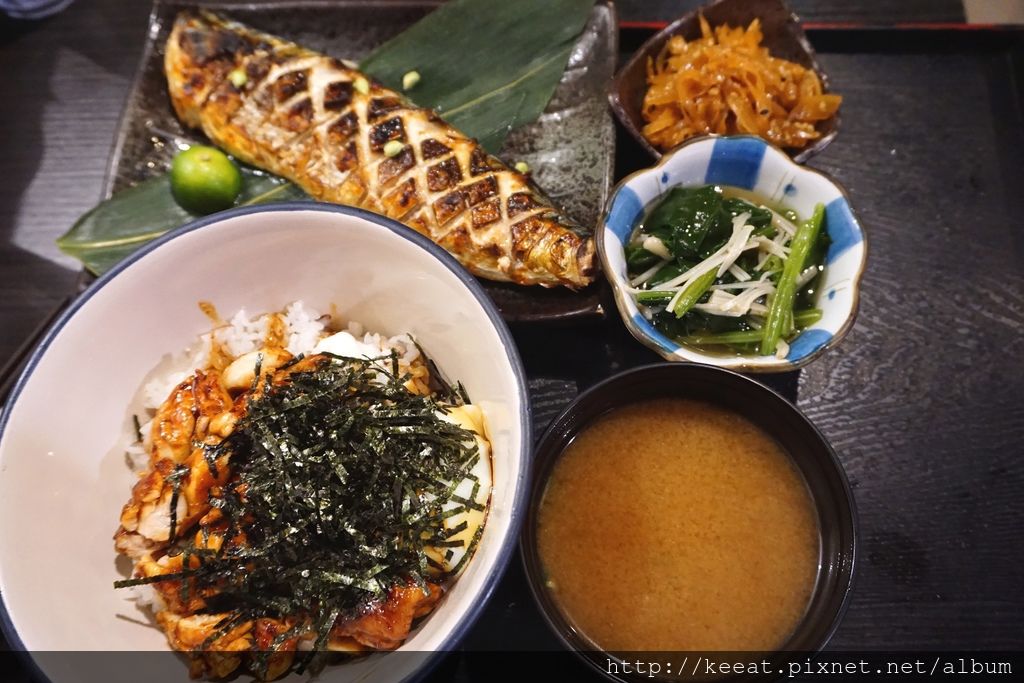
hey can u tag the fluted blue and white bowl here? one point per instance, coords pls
(753, 164)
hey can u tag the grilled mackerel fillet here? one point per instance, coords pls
(323, 125)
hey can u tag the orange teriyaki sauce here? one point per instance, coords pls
(678, 525)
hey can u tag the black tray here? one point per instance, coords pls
(922, 400)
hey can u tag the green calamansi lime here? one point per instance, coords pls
(204, 180)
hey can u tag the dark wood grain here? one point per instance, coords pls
(922, 400)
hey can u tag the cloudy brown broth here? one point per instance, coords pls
(678, 525)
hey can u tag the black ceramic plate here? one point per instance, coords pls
(570, 148)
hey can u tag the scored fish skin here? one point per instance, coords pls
(306, 117)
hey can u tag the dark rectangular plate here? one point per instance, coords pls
(570, 148)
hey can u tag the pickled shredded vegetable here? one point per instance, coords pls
(726, 83)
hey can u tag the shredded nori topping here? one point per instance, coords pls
(340, 476)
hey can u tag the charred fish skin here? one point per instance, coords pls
(325, 126)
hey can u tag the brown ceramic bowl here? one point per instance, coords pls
(783, 36)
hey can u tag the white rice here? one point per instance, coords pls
(242, 334)
(137, 454)
(304, 327)
(146, 597)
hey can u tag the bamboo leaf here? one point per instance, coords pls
(486, 67)
(133, 217)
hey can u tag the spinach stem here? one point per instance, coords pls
(689, 297)
(780, 308)
(802, 319)
(806, 317)
(654, 297)
(737, 337)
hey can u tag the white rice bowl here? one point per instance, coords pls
(67, 427)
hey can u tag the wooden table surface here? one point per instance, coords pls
(924, 401)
